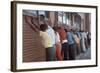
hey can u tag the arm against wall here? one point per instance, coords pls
(28, 20)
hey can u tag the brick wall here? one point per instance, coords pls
(32, 48)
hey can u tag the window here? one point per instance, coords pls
(30, 12)
(62, 17)
(68, 19)
(77, 20)
(41, 12)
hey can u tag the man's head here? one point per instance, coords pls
(42, 17)
(43, 27)
(55, 28)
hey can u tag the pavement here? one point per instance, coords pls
(85, 55)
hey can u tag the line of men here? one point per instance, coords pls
(60, 43)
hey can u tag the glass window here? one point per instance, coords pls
(45, 13)
(77, 20)
(41, 12)
(64, 18)
(68, 19)
(30, 12)
(60, 17)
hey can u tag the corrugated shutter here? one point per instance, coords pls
(32, 48)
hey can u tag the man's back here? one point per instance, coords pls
(70, 38)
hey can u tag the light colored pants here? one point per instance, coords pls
(83, 45)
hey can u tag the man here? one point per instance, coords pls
(72, 46)
(41, 19)
(46, 38)
(64, 42)
(51, 33)
(80, 37)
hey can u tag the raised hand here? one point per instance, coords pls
(31, 23)
(28, 19)
(35, 21)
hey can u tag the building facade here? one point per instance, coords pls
(32, 50)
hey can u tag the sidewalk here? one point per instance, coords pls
(86, 55)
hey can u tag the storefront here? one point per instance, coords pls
(33, 51)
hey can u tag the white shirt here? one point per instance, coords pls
(51, 33)
(57, 37)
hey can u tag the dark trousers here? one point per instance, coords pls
(72, 51)
(65, 51)
(50, 53)
(86, 43)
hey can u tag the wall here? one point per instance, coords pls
(32, 48)
(52, 16)
(5, 37)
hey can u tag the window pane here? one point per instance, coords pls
(60, 18)
(30, 12)
(60, 13)
(64, 19)
(67, 18)
(47, 14)
(42, 12)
